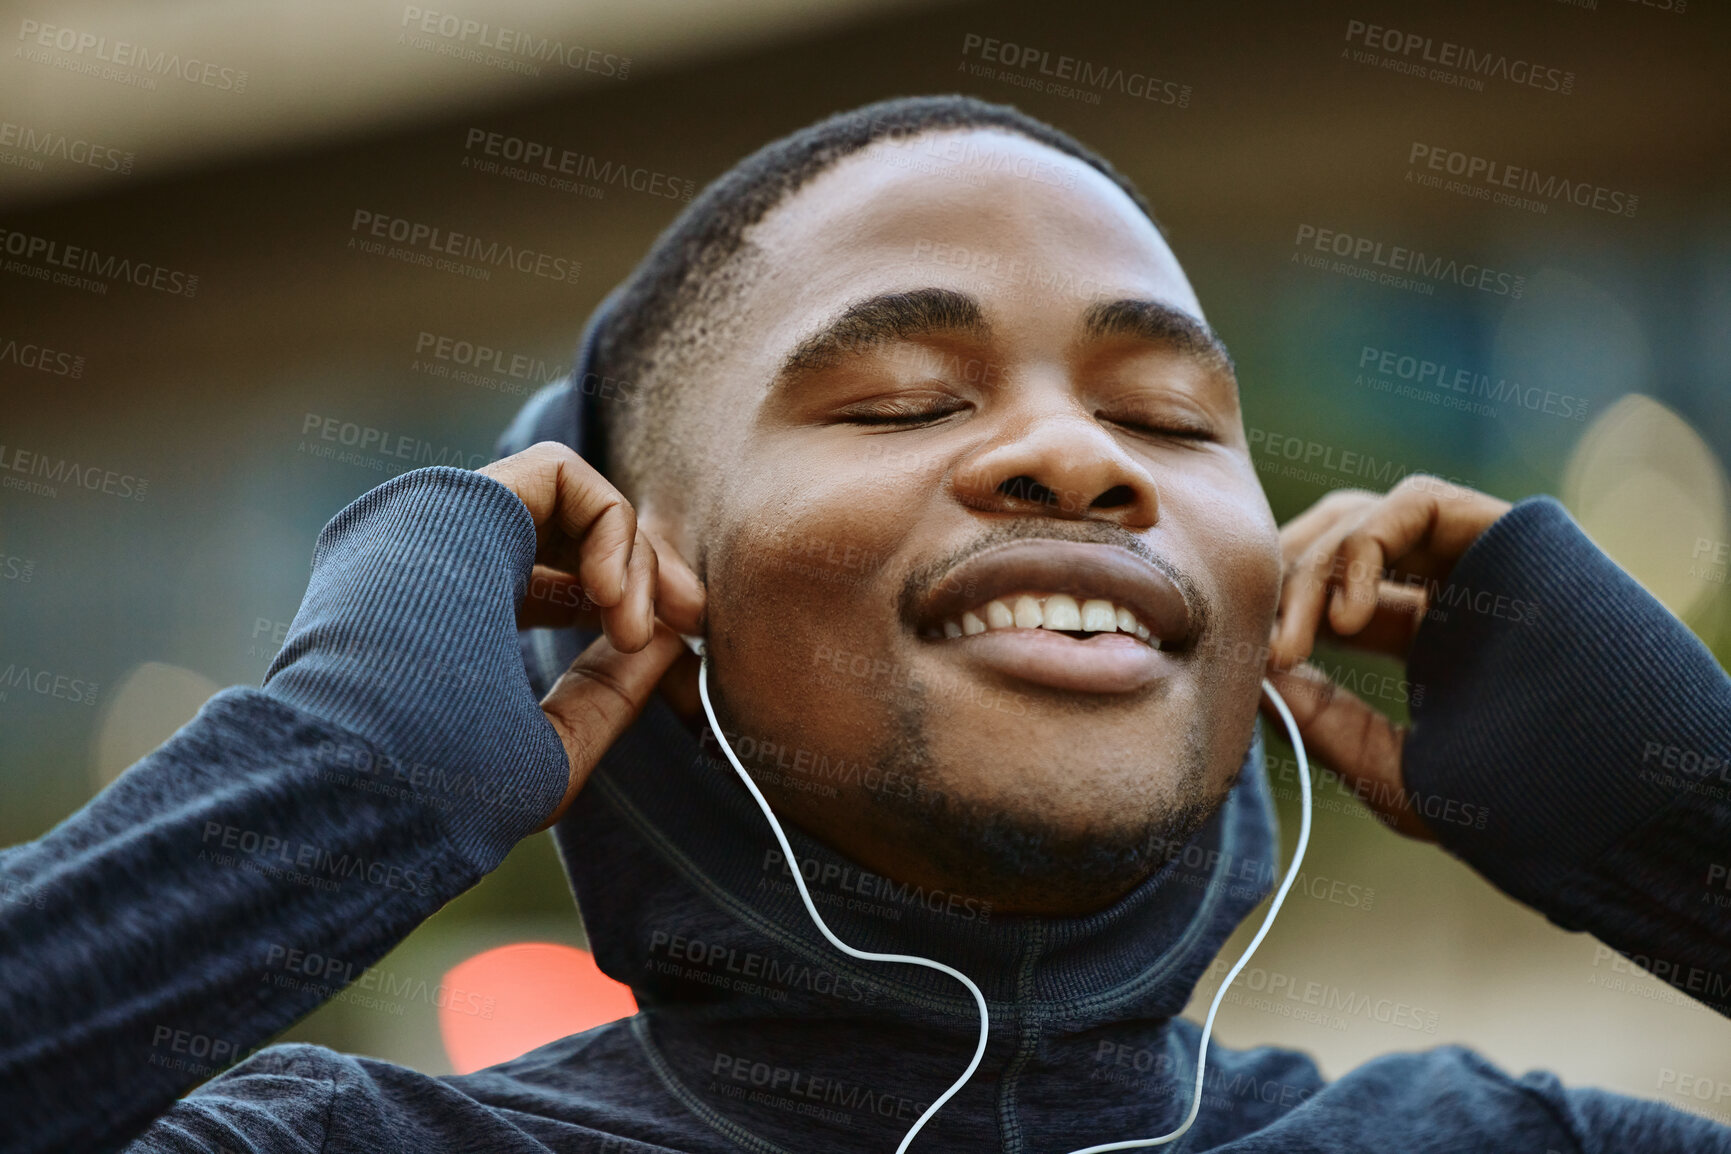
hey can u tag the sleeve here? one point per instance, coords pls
(1571, 741)
(393, 756)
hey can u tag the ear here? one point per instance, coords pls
(670, 527)
(678, 686)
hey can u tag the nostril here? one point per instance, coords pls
(1028, 489)
(1114, 498)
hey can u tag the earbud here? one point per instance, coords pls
(697, 647)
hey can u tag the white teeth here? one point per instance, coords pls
(1061, 612)
(1051, 611)
(1100, 617)
(1028, 615)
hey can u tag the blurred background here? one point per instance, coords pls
(211, 161)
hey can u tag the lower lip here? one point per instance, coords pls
(1103, 663)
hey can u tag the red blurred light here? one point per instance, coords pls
(506, 1001)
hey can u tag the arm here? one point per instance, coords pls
(393, 756)
(1594, 730)
(1570, 743)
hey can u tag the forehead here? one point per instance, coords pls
(1030, 231)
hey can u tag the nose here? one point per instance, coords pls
(1056, 459)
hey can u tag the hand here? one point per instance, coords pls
(1357, 566)
(593, 562)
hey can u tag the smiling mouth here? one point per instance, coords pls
(1052, 612)
(1081, 589)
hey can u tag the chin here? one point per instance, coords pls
(1062, 833)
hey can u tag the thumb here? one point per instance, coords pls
(1353, 739)
(601, 694)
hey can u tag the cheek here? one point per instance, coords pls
(1240, 548)
(800, 593)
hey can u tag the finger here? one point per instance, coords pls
(556, 600)
(631, 623)
(1399, 611)
(575, 509)
(1330, 511)
(1304, 591)
(679, 594)
(599, 696)
(1359, 568)
(1354, 740)
(1426, 523)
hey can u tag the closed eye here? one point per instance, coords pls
(1181, 431)
(896, 412)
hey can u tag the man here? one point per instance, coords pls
(988, 586)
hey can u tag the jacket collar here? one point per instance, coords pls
(664, 841)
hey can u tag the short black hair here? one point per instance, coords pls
(660, 311)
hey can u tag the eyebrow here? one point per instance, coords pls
(900, 316)
(1161, 325)
(885, 318)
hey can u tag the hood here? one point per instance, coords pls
(685, 897)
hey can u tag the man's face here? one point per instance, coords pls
(974, 395)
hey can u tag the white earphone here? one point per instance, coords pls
(698, 647)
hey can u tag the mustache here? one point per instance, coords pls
(922, 577)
